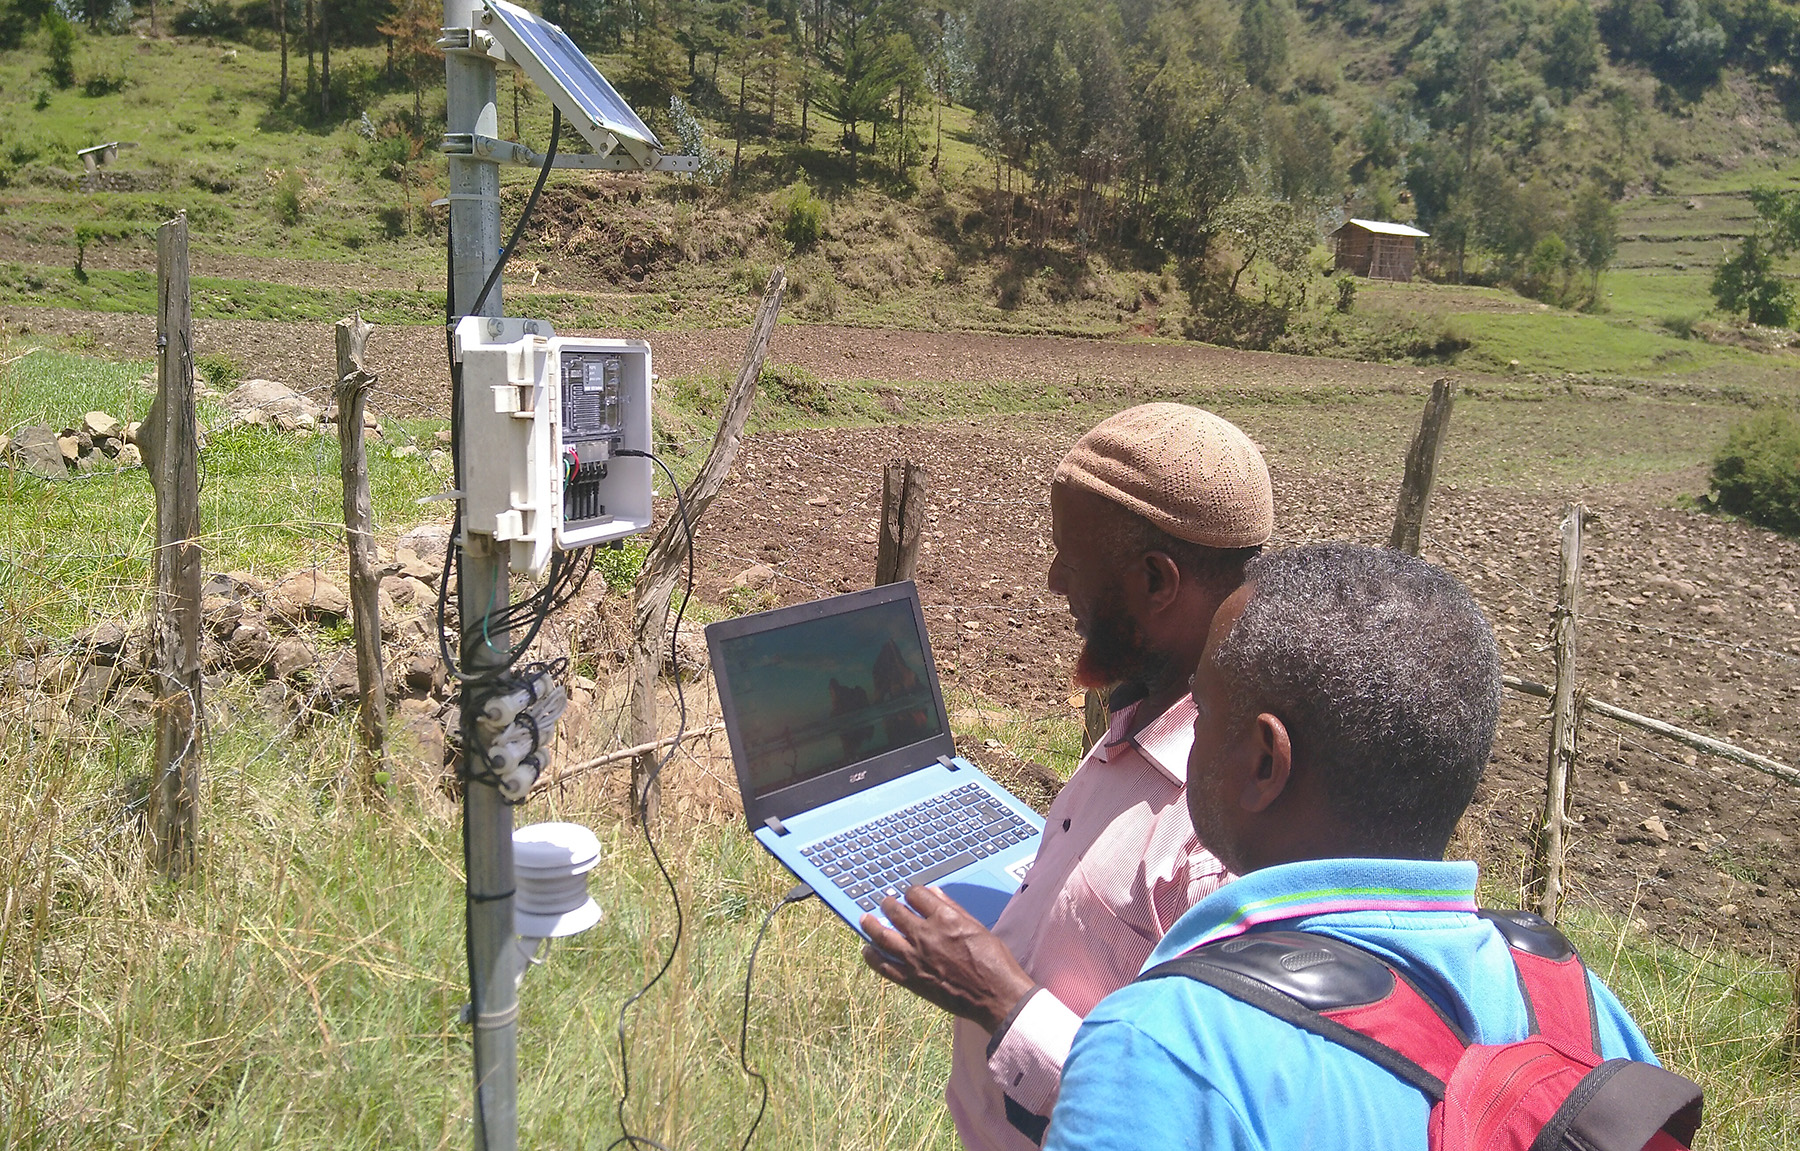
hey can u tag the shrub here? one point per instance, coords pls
(59, 48)
(802, 216)
(290, 192)
(1757, 473)
(219, 369)
(207, 18)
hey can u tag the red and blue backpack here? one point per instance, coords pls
(1549, 1092)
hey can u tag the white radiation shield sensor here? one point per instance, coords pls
(544, 420)
(551, 862)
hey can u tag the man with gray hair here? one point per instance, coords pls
(1345, 709)
(1153, 513)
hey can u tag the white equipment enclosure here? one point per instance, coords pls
(544, 420)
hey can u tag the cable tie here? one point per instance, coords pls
(494, 1020)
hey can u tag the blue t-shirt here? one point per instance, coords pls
(1173, 1063)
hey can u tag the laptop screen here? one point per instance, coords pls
(815, 696)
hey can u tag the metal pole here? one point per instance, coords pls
(471, 106)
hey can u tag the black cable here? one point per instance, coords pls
(795, 895)
(519, 227)
(626, 1136)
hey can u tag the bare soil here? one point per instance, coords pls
(415, 381)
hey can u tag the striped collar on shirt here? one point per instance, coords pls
(1320, 887)
(1165, 740)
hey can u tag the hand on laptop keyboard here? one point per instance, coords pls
(934, 948)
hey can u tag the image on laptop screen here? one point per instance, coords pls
(817, 696)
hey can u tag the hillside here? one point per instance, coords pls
(933, 217)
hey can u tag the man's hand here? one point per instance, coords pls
(941, 953)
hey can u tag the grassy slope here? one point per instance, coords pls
(211, 142)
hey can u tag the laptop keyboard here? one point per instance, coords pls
(917, 845)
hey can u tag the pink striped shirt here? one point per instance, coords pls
(1118, 865)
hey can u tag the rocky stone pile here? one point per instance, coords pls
(101, 443)
(288, 634)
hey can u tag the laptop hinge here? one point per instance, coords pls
(948, 762)
(773, 823)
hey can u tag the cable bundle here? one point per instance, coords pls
(515, 715)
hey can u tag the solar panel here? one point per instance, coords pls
(556, 65)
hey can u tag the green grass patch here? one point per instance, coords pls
(77, 550)
(1564, 342)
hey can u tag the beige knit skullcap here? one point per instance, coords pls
(1185, 470)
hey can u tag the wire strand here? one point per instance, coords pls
(795, 895)
(627, 1137)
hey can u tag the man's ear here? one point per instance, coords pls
(1162, 579)
(1274, 764)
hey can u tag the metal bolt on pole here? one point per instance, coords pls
(471, 107)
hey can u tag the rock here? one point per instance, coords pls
(92, 462)
(101, 426)
(340, 678)
(220, 614)
(70, 447)
(1624, 788)
(690, 655)
(755, 577)
(104, 642)
(427, 541)
(128, 457)
(425, 673)
(442, 436)
(36, 450)
(306, 596)
(410, 564)
(266, 403)
(290, 657)
(131, 431)
(1728, 909)
(92, 687)
(416, 747)
(405, 451)
(399, 590)
(250, 645)
(1654, 826)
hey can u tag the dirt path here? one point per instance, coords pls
(410, 360)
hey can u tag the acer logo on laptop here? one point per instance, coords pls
(858, 777)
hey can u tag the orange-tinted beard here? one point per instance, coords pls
(1114, 649)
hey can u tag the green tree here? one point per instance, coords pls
(1299, 142)
(1748, 283)
(1571, 47)
(1594, 231)
(59, 49)
(858, 97)
(1262, 42)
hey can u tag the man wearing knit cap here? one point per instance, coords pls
(1154, 514)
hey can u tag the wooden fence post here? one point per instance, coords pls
(1094, 717)
(902, 521)
(1421, 469)
(670, 547)
(1563, 723)
(353, 381)
(171, 444)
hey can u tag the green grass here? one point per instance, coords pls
(78, 550)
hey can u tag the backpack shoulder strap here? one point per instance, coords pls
(1338, 992)
(1551, 978)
